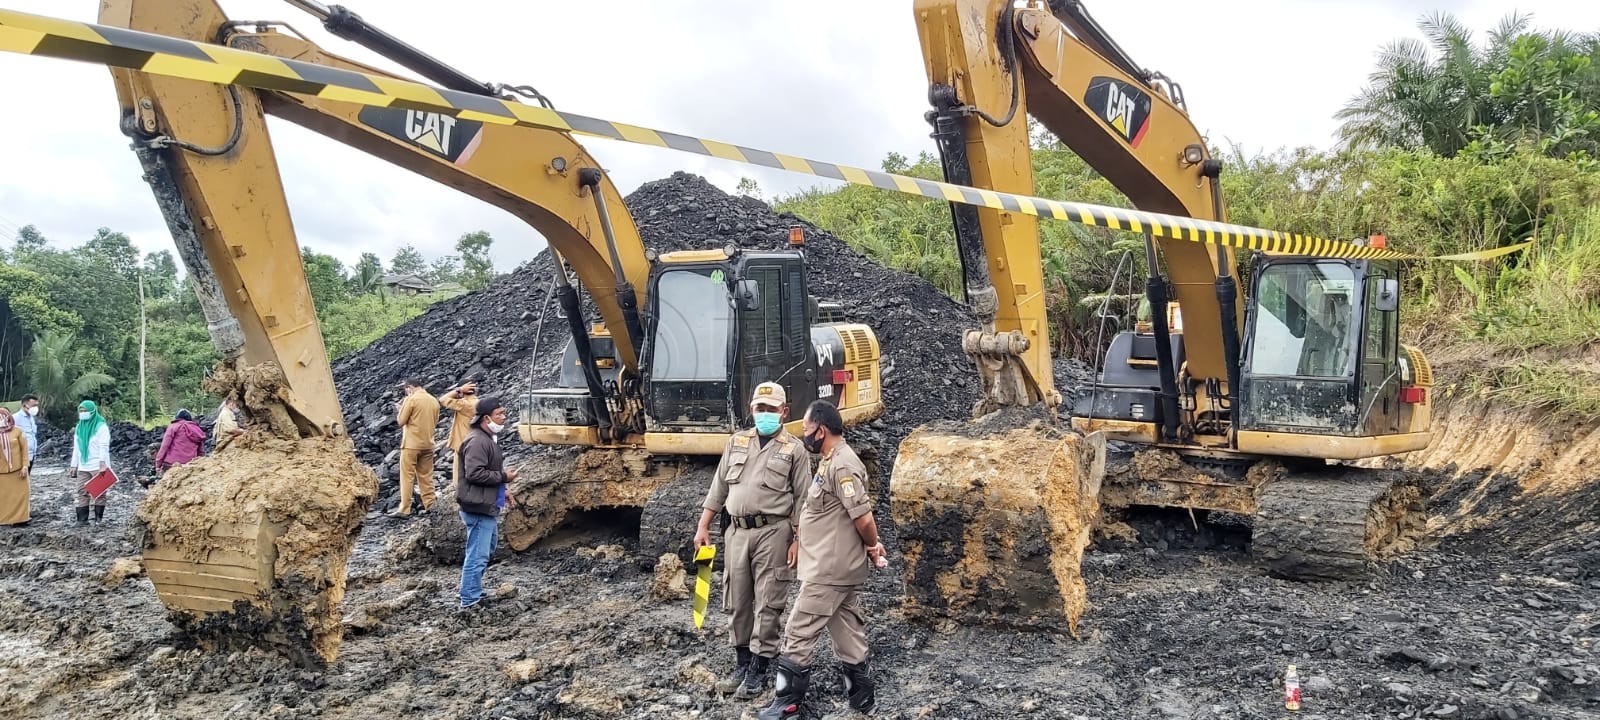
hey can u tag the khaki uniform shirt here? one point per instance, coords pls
(831, 551)
(226, 424)
(756, 480)
(464, 407)
(418, 416)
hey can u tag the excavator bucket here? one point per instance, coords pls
(995, 520)
(249, 545)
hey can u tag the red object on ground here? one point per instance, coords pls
(100, 483)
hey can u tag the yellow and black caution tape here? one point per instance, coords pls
(702, 582)
(175, 57)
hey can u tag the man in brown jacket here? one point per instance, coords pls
(463, 403)
(481, 492)
(419, 413)
(838, 541)
(759, 480)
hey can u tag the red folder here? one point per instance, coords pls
(100, 483)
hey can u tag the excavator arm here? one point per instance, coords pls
(209, 159)
(990, 64)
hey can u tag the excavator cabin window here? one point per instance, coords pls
(1303, 316)
(693, 324)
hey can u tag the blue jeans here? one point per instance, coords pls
(481, 537)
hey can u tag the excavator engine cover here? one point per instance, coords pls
(995, 516)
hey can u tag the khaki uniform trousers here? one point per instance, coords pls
(755, 585)
(80, 496)
(416, 470)
(836, 609)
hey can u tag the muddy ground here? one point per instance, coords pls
(1182, 625)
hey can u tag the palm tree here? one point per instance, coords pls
(56, 374)
(1428, 94)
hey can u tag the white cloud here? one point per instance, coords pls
(837, 80)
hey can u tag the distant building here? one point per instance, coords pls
(407, 285)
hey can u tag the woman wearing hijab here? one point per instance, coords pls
(181, 443)
(91, 453)
(13, 471)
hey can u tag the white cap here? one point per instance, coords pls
(769, 393)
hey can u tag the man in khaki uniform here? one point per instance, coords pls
(463, 402)
(838, 538)
(759, 480)
(419, 413)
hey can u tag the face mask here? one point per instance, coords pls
(33, 410)
(83, 414)
(813, 444)
(495, 428)
(767, 423)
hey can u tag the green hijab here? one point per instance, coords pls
(87, 428)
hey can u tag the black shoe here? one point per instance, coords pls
(755, 679)
(83, 514)
(792, 682)
(741, 665)
(858, 686)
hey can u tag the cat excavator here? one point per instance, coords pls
(684, 336)
(1236, 405)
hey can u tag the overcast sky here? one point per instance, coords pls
(836, 80)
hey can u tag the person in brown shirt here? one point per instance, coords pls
(759, 480)
(419, 413)
(837, 538)
(463, 402)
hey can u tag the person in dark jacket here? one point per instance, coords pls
(480, 491)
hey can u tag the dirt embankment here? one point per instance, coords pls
(1522, 481)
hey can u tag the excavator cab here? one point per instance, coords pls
(720, 323)
(1322, 354)
(717, 323)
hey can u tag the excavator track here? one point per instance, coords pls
(1336, 523)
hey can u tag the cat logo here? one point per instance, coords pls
(430, 130)
(1121, 106)
(824, 354)
(443, 135)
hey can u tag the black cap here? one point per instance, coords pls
(488, 405)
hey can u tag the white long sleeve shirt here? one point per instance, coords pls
(30, 429)
(99, 451)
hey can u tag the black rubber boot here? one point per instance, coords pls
(741, 666)
(99, 514)
(858, 686)
(792, 682)
(755, 679)
(83, 515)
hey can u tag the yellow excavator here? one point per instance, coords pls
(1234, 403)
(646, 388)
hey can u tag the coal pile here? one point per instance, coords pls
(133, 449)
(490, 335)
(53, 441)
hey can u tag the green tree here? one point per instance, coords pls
(1445, 93)
(444, 270)
(58, 374)
(368, 275)
(25, 312)
(325, 274)
(29, 240)
(476, 267)
(408, 261)
(160, 275)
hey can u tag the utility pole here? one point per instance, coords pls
(141, 346)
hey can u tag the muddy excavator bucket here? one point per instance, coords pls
(248, 547)
(994, 518)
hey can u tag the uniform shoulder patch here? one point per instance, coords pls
(741, 440)
(847, 486)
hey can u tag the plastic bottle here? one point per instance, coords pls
(1291, 689)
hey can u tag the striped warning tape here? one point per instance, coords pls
(174, 57)
(702, 582)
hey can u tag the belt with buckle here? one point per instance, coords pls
(751, 522)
